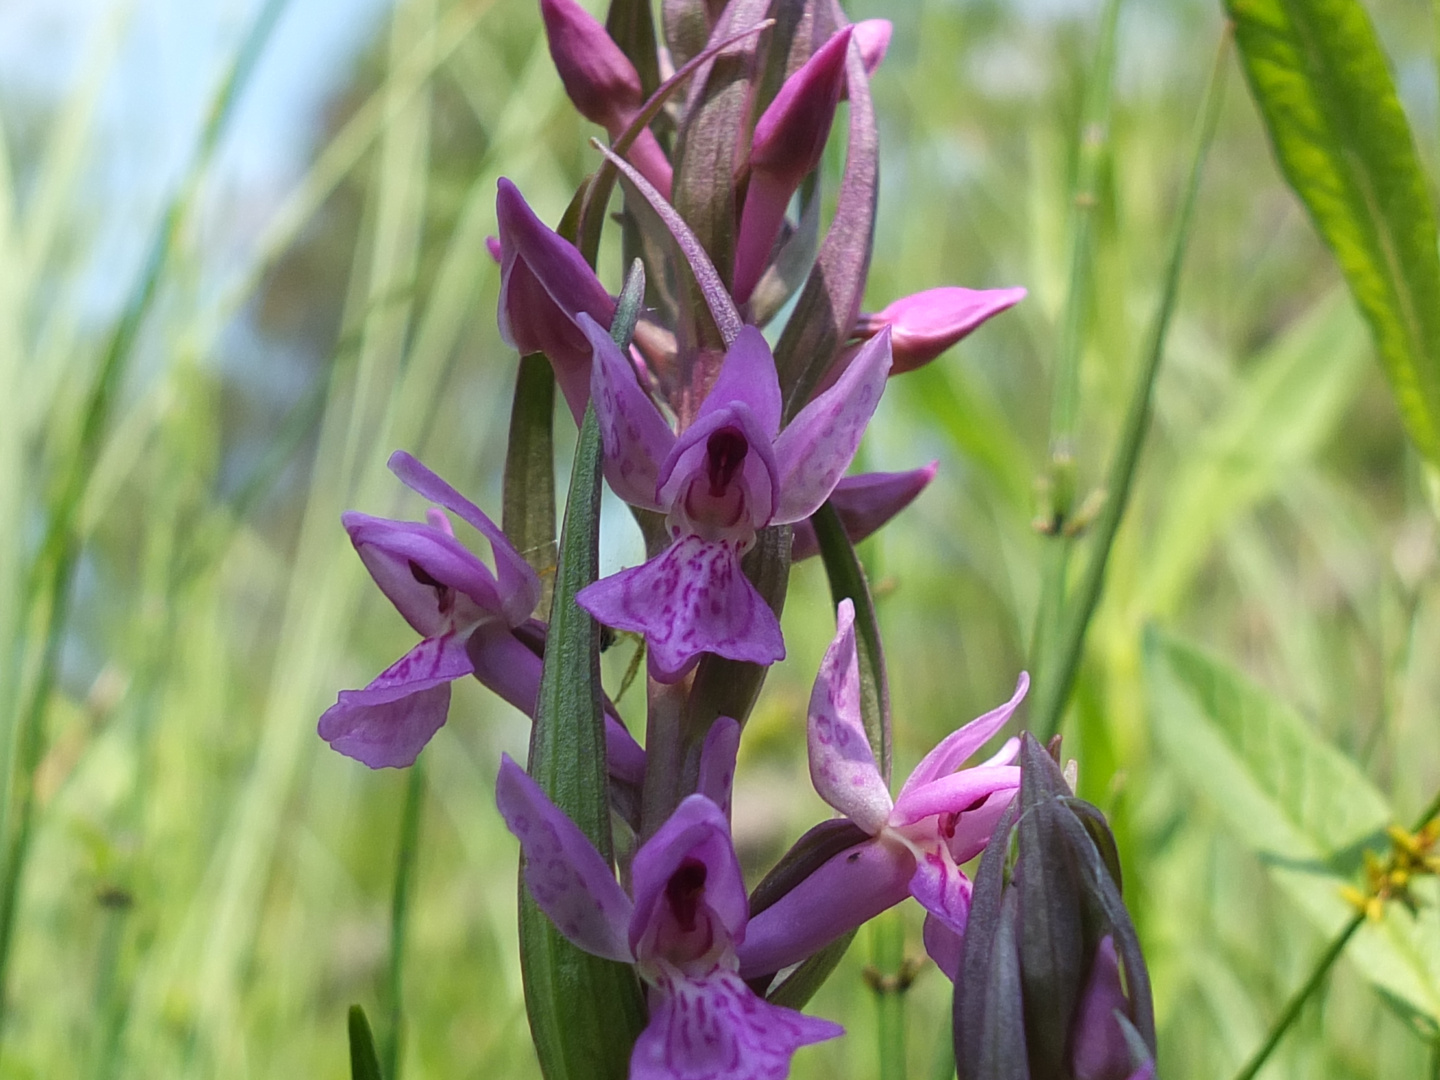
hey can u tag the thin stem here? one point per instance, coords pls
(405, 858)
(1058, 671)
(889, 978)
(1301, 996)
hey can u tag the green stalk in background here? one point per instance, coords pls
(889, 978)
(1057, 672)
(52, 577)
(406, 853)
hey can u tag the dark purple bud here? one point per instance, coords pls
(602, 83)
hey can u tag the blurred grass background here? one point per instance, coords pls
(208, 885)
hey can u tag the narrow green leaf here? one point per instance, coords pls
(364, 1064)
(847, 582)
(631, 25)
(1303, 807)
(529, 505)
(1324, 88)
(585, 1012)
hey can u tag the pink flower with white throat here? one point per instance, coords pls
(732, 472)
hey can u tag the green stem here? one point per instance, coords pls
(889, 980)
(51, 582)
(1057, 673)
(405, 858)
(1301, 996)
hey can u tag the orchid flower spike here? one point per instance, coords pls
(602, 82)
(467, 617)
(942, 818)
(730, 473)
(680, 930)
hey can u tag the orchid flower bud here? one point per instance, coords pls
(789, 138)
(925, 324)
(601, 82)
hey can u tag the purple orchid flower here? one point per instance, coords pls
(942, 818)
(730, 473)
(681, 929)
(467, 617)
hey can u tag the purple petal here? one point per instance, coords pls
(688, 460)
(974, 827)
(873, 37)
(944, 891)
(691, 598)
(864, 503)
(570, 881)
(635, 437)
(944, 946)
(544, 284)
(814, 451)
(698, 831)
(1100, 1049)
(713, 1026)
(519, 586)
(624, 756)
(387, 724)
(505, 666)
(956, 748)
(598, 76)
(926, 324)
(748, 374)
(401, 555)
(846, 892)
(953, 793)
(717, 762)
(842, 765)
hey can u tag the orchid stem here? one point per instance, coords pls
(1059, 666)
(889, 977)
(405, 858)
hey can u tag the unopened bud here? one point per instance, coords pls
(925, 324)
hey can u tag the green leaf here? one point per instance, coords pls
(364, 1064)
(1303, 807)
(1324, 88)
(585, 1012)
(529, 507)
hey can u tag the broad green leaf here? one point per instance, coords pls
(1294, 800)
(585, 1012)
(1324, 88)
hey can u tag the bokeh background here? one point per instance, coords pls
(208, 886)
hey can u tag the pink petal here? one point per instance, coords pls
(957, 747)
(696, 830)
(814, 451)
(690, 599)
(944, 946)
(544, 284)
(864, 503)
(717, 762)
(635, 437)
(748, 374)
(714, 1027)
(846, 892)
(842, 765)
(873, 37)
(974, 827)
(953, 793)
(387, 724)
(570, 881)
(944, 891)
(926, 324)
(519, 586)
(400, 554)
(688, 458)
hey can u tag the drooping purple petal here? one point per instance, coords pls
(519, 587)
(956, 748)
(953, 793)
(943, 891)
(864, 503)
(570, 881)
(544, 284)
(927, 323)
(842, 765)
(624, 756)
(635, 437)
(748, 375)
(389, 722)
(1100, 1049)
(717, 762)
(815, 449)
(690, 599)
(847, 891)
(697, 832)
(689, 460)
(714, 1027)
